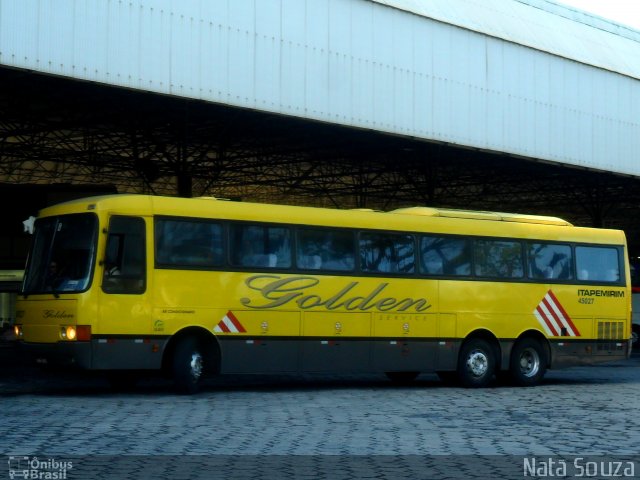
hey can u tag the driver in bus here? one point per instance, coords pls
(52, 275)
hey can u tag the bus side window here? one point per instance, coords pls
(498, 258)
(188, 243)
(260, 246)
(598, 264)
(125, 259)
(386, 253)
(320, 249)
(548, 261)
(445, 255)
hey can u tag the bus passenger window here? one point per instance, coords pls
(598, 264)
(445, 256)
(548, 261)
(260, 246)
(125, 259)
(386, 253)
(188, 243)
(497, 258)
(326, 250)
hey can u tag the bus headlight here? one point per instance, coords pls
(17, 330)
(81, 333)
(68, 332)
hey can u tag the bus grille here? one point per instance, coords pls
(610, 331)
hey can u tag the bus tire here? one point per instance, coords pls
(635, 338)
(528, 362)
(188, 365)
(476, 363)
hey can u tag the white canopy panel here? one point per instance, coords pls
(540, 24)
(527, 78)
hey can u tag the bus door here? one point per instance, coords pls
(124, 316)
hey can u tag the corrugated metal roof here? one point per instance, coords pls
(540, 24)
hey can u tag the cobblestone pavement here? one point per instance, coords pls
(579, 411)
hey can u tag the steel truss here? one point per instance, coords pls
(54, 130)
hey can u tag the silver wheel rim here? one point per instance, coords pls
(529, 362)
(195, 365)
(634, 337)
(477, 363)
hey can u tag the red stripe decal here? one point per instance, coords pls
(546, 320)
(556, 318)
(564, 313)
(235, 322)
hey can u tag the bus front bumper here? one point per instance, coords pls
(72, 355)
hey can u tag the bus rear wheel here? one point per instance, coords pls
(188, 365)
(476, 364)
(528, 362)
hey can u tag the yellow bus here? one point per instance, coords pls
(195, 286)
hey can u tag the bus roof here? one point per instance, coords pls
(482, 215)
(418, 219)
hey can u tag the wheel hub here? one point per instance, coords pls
(529, 362)
(477, 363)
(196, 365)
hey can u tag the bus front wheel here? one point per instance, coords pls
(477, 363)
(188, 365)
(528, 362)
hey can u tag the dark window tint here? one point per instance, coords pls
(188, 243)
(597, 264)
(549, 261)
(386, 253)
(445, 256)
(498, 258)
(260, 246)
(125, 259)
(326, 250)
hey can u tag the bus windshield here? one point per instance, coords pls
(62, 254)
